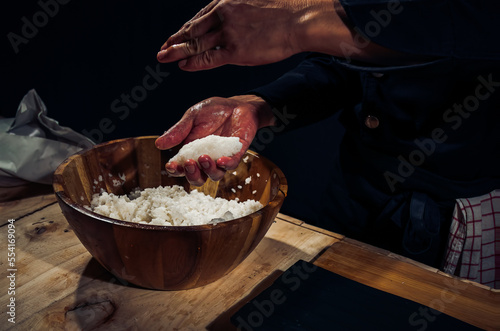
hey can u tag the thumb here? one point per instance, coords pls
(175, 135)
(209, 59)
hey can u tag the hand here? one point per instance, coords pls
(248, 32)
(234, 32)
(256, 32)
(239, 116)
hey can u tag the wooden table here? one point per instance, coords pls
(59, 286)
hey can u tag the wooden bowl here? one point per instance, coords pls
(163, 257)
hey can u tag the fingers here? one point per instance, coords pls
(196, 175)
(176, 134)
(194, 29)
(198, 43)
(190, 48)
(193, 173)
(195, 37)
(210, 168)
(205, 20)
(174, 169)
(189, 169)
(207, 60)
(228, 163)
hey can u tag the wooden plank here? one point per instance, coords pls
(290, 219)
(309, 226)
(59, 286)
(18, 208)
(466, 301)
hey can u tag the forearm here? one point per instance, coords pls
(323, 26)
(320, 26)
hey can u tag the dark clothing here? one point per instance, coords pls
(417, 136)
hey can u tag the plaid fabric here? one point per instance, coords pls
(474, 241)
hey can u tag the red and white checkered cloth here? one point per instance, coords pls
(474, 242)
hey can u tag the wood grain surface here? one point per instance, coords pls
(59, 286)
(16, 209)
(470, 302)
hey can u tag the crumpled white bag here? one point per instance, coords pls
(32, 145)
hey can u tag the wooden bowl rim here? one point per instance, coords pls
(62, 196)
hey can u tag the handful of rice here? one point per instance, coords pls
(212, 145)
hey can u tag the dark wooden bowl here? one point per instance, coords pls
(163, 257)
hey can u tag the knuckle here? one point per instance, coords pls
(215, 100)
(204, 11)
(208, 101)
(187, 28)
(217, 175)
(206, 59)
(220, 14)
(196, 45)
(192, 47)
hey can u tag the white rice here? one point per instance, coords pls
(171, 206)
(212, 145)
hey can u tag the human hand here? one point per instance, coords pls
(238, 116)
(242, 32)
(256, 32)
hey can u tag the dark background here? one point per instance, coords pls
(85, 54)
